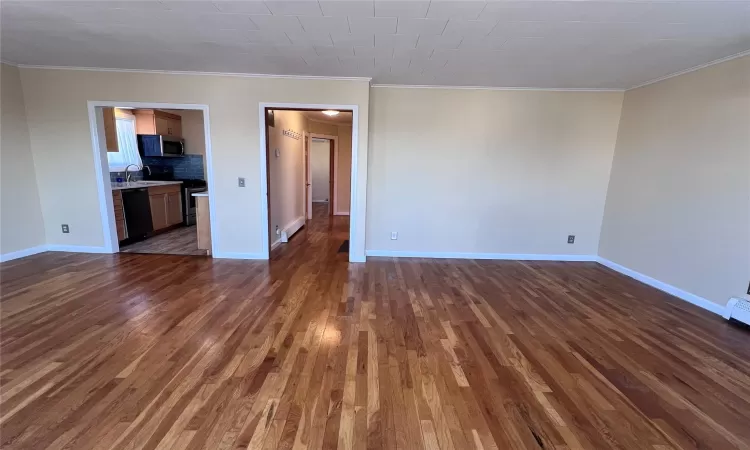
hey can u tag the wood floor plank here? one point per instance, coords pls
(308, 351)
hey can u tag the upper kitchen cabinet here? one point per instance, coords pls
(110, 130)
(153, 121)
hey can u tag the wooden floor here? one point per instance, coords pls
(133, 351)
(180, 241)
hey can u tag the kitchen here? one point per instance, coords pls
(157, 171)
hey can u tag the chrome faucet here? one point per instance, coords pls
(127, 174)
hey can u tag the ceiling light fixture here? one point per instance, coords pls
(330, 113)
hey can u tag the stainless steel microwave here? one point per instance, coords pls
(160, 146)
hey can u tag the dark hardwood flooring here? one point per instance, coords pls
(308, 351)
(180, 241)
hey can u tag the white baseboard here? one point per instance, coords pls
(236, 255)
(291, 228)
(76, 249)
(462, 255)
(275, 243)
(52, 248)
(341, 213)
(668, 288)
(23, 253)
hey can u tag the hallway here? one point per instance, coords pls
(309, 351)
(321, 237)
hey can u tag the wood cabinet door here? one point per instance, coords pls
(162, 125)
(120, 225)
(175, 127)
(174, 208)
(158, 210)
(110, 130)
(144, 121)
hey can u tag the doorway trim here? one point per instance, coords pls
(101, 166)
(354, 231)
(333, 176)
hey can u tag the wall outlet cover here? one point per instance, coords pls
(394, 235)
(241, 182)
(571, 239)
(65, 228)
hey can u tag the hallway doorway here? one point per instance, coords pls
(309, 167)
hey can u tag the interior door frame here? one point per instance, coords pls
(101, 166)
(332, 176)
(357, 214)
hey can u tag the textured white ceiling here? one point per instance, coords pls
(540, 44)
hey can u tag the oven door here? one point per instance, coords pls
(189, 207)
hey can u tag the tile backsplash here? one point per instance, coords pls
(188, 167)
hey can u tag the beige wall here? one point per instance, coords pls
(61, 142)
(21, 223)
(286, 171)
(678, 205)
(483, 171)
(344, 170)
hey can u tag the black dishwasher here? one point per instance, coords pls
(137, 210)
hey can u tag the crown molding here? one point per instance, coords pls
(492, 88)
(692, 69)
(178, 72)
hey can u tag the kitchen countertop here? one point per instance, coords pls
(200, 194)
(141, 184)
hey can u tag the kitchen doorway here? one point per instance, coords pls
(154, 177)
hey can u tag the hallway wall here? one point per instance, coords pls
(286, 172)
(344, 170)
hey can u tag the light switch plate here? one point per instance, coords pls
(241, 182)
(65, 228)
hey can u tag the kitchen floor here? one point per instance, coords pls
(181, 241)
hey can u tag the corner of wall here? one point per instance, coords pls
(23, 226)
(602, 220)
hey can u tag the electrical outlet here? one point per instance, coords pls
(394, 235)
(571, 239)
(65, 228)
(241, 182)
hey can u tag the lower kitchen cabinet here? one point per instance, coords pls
(166, 206)
(158, 210)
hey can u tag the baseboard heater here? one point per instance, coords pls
(738, 309)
